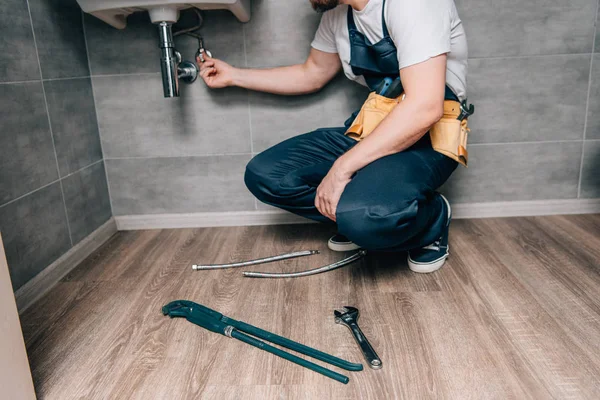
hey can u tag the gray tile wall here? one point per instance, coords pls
(53, 187)
(534, 77)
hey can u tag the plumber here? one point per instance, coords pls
(378, 181)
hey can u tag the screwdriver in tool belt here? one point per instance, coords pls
(395, 89)
(383, 86)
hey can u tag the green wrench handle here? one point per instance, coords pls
(287, 356)
(290, 344)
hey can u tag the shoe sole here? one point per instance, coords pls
(342, 247)
(427, 268)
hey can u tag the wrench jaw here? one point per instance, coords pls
(178, 308)
(346, 314)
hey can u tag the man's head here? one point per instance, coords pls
(324, 5)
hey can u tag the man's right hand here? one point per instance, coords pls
(215, 73)
(319, 68)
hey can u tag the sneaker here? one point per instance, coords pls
(431, 258)
(341, 243)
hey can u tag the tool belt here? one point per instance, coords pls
(448, 136)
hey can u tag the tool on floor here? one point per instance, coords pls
(356, 256)
(466, 111)
(255, 262)
(348, 316)
(216, 322)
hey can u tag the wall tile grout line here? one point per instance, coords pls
(82, 169)
(124, 74)
(87, 54)
(46, 80)
(470, 58)
(249, 105)
(29, 193)
(62, 191)
(528, 56)
(525, 142)
(247, 91)
(20, 82)
(66, 79)
(587, 105)
(253, 153)
(180, 156)
(51, 183)
(581, 169)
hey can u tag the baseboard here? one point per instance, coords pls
(248, 218)
(29, 293)
(202, 220)
(526, 208)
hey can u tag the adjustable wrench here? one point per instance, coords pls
(348, 316)
(466, 111)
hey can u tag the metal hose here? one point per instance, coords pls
(356, 256)
(193, 28)
(258, 261)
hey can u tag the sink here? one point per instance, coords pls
(115, 12)
(164, 13)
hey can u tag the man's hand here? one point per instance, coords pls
(309, 77)
(215, 73)
(330, 190)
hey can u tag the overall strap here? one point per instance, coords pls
(383, 24)
(350, 17)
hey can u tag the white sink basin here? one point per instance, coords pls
(115, 12)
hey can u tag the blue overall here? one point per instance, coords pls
(391, 204)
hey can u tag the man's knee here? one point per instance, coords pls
(270, 180)
(256, 176)
(374, 228)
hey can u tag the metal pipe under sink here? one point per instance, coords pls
(172, 67)
(169, 60)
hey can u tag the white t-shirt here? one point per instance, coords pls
(420, 29)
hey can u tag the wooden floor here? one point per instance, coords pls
(514, 314)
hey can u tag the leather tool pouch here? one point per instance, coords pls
(448, 136)
(373, 111)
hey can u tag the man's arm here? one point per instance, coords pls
(424, 86)
(317, 70)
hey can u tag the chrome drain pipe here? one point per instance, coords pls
(169, 60)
